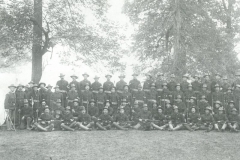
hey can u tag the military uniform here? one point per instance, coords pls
(220, 121)
(207, 121)
(107, 86)
(114, 100)
(20, 96)
(151, 97)
(100, 100)
(139, 97)
(196, 84)
(95, 87)
(26, 115)
(63, 86)
(54, 97)
(48, 95)
(105, 120)
(147, 85)
(177, 118)
(85, 119)
(184, 84)
(71, 96)
(120, 84)
(133, 85)
(93, 111)
(145, 115)
(202, 104)
(36, 102)
(121, 119)
(85, 98)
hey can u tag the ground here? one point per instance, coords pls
(115, 145)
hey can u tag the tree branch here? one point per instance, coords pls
(224, 5)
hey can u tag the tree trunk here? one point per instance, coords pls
(179, 61)
(37, 43)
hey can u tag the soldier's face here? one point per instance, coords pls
(35, 88)
(121, 111)
(47, 111)
(145, 108)
(168, 105)
(87, 87)
(108, 78)
(159, 110)
(49, 88)
(67, 111)
(165, 87)
(229, 90)
(107, 104)
(73, 88)
(231, 105)
(121, 78)
(96, 79)
(20, 88)
(85, 76)
(217, 105)
(234, 112)
(62, 77)
(105, 111)
(134, 77)
(43, 103)
(42, 85)
(75, 103)
(83, 111)
(178, 88)
(191, 100)
(135, 105)
(207, 111)
(126, 88)
(57, 89)
(217, 88)
(220, 112)
(92, 104)
(74, 78)
(193, 110)
(12, 89)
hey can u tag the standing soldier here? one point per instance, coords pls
(134, 83)
(147, 84)
(120, 84)
(86, 97)
(20, 96)
(207, 81)
(55, 96)
(159, 82)
(171, 85)
(72, 95)
(164, 94)
(75, 82)
(189, 93)
(152, 97)
(220, 120)
(10, 107)
(48, 94)
(181, 105)
(196, 83)
(114, 100)
(176, 93)
(29, 90)
(184, 83)
(42, 91)
(225, 84)
(100, 99)
(126, 94)
(139, 96)
(95, 86)
(63, 86)
(217, 80)
(217, 95)
(84, 83)
(205, 92)
(107, 86)
(36, 102)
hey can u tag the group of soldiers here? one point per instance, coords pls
(210, 104)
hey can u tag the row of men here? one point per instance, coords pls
(66, 119)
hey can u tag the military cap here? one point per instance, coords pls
(43, 100)
(72, 85)
(42, 83)
(96, 77)
(231, 102)
(68, 108)
(208, 108)
(12, 85)
(153, 85)
(144, 105)
(49, 86)
(203, 97)
(74, 76)
(185, 75)
(216, 85)
(220, 109)
(167, 101)
(20, 85)
(121, 76)
(31, 82)
(234, 109)
(85, 74)
(56, 87)
(204, 85)
(134, 74)
(217, 102)
(35, 85)
(175, 107)
(121, 107)
(92, 100)
(108, 75)
(172, 75)
(178, 84)
(61, 75)
(75, 100)
(25, 101)
(164, 84)
(107, 101)
(179, 96)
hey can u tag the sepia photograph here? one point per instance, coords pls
(119, 79)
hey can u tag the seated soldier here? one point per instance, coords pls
(202, 104)
(159, 120)
(168, 110)
(45, 121)
(27, 116)
(68, 122)
(84, 121)
(229, 108)
(154, 107)
(207, 120)
(127, 107)
(76, 109)
(193, 119)
(121, 120)
(220, 120)
(108, 105)
(181, 105)
(93, 111)
(191, 104)
(234, 121)
(144, 118)
(135, 113)
(104, 121)
(59, 109)
(177, 120)
(217, 105)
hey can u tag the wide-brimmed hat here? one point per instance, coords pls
(42, 83)
(61, 75)
(74, 76)
(49, 86)
(85, 74)
(56, 87)
(12, 85)
(96, 77)
(108, 75)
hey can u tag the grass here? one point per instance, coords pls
(114, 144)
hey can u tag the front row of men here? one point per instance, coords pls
(81, 118)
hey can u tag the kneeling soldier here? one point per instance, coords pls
(27, 116)
(45, 121)
(207, 120)
(176, 121)
(233, 121)
(121, 119)
(68, 122)
(220, 120)
(193, 120)
(105, 120)
(84, 121)
(159, 120)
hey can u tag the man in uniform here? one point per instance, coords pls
(207, 81)
(225, 84)
(196, 83)
(86, 96)
(55, 96)
(134, 83)
(172, 84)
(84, 83)
(234, 121)
(147, 84)
(121, 119)
(217, 95)
(100, 99)
(126, 94)
(205, 92)
(237, 80)
(159, 120)
(202, 104)
(29, 90)
(139, 96)
(120, 84)
(75, 82)
(105, 120)
(95, 86)
(35, 96)
(85, 121)
(217, 80)
(76, 109)
(114, 100)
(26, 116)
(49, 94)
(207, 120)
(182, 108)
(10, 107)
(42, 91)
(159, 82)
(220, 120)
(93, 110)
(229, 108)
(144, 122)
(20, 96)
(216, 106)
(193, 119)
(177, 120)
(164, 94)
(72, 95)
(229, 96)
(184, 83)
(45, 121)
(68, 122)
(63, 86)
(189, 93)
(236, 93)
(107, 86)
(152, 97)
(176, 93)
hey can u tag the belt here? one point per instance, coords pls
(146, 90)
(159, 89)
(100, 102)
(152, 100)
(107, 91)
(95, 91)
(70, 100)
(114, 102)
(139, 101)
(84, 101)
(35, 100)
(119, 91)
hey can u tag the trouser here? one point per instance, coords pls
(26, 122)
(206, 126)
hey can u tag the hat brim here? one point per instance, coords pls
(85, 74)
(108, 76)
(74, 76)
(12, 87)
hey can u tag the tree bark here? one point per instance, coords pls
(37, 43)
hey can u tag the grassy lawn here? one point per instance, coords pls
(119, 145)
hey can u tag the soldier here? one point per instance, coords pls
(225, 84)
(159, 82)
(108, 106)
(164, 94)
(177, 92)
(120, 84)
(72, 95)
(236, 93)
(144, 122)
(220, 120)
(93, 110)
(205, 92)
(86, 97)
(207, 120)
(217, 95)
(229, 108)
(75, 82)
(217, 80)
(58, 109)
(134, 83)
(20, 96)
(49, 94)
(229, 96)
(126, 94)
(202, 104)
(45, 121)
(68, 122)
(127, 107)
(55, 96)
(139, 96)
(35, 96)
(63, 86)
(196, 83)
(216, 106)
(108, 85)
(135, 113)
(159, 120)
(114, 100)
(181, 105)
(152, 97)
(29, 90)
(85, 121)
(10, 107)
(189, 93)
(100, 100)
(207, 81)
(234, 120)
(84, 83)
(171, 85)
(168, 110)
(26, 116)
(105, 120)
(42, 106)
(184, 84)
(76, 109)
(121, 120)
(42, 91)
(95, 86)
(192, 120)
(147, 84)
(177, 120)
